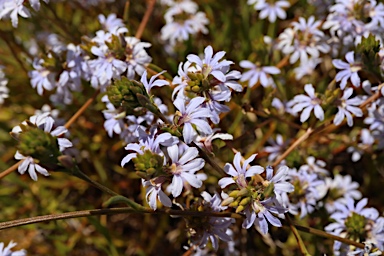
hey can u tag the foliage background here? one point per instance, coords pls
(235, 28)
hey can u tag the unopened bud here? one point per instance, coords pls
(227, 201)
(240, 209)
(243, 192)
(234, 193)
(245, 201)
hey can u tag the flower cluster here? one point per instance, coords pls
(182, 20)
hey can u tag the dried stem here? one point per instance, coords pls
(144, 21)
(81, 110)
(293, 146)
(321, 233)
(10, 169)
(111, 211)
(300, 242)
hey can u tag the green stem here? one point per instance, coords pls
(300, 242)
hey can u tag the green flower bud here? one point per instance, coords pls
(234, 204)
(227, 201)
(148, 165)
(245, 201)
(234, 193)
(240, 208)
(123, 93)
(355, 225)
(38, 144)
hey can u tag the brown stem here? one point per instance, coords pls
(10, 169)
(111, 211)
(81, 110)
(300, 242)
(293, 146)
(321, 233)
(144, 21)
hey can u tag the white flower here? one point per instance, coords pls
(13, 8)
(183, 167)
(257, 73)
(6, 251)
(307, 104)
(347, 108)
(349, 70)
(271, 9)
(239, 172)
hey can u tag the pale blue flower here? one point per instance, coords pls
(349, 70)
(308, 103)
(272, 9)
(348, 107)
(13, 8)
(154, 192)
(6, 251)
(216, 228)
(195, 114)
(184, 165)
(151, 142)
(41, 77)
(261, 211)
(239, 172)
(256, 73)
(152, 82)
(112, 24)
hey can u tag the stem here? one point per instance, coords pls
(81, 110)
(110, 211)
(144, 21)
(14, 53)
(300, 242)
(10, 169)
(293, 146)
(321, 233)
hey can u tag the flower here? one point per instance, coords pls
(280, 185)
(276, 148)
(212, 228)
(260, 212)
(307, 104)
(45, 123)
(42, 78)
(184, 164)
(315, 166)
(31, 165)
(339, 189)
(152, 82)
(349, 70)
(182, 20)
(12, 8)
(270, 10)
(6, 251)
(112, 24)
(195, 114)
(149, 142)
(305, 195)
(354, 222)
(105, 67)
(153, 192)
(239, 171)
(257, 73)
(302, 40)
(3, 87)
(348, 107)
